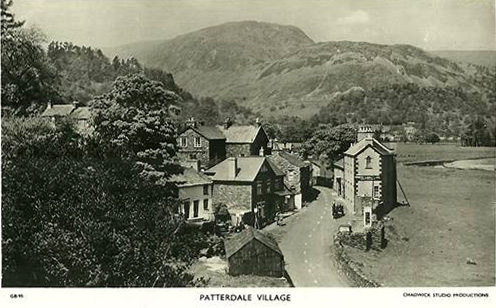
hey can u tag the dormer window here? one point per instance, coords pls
(368, 162)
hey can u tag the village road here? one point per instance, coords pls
(306, 242)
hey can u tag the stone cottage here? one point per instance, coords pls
(244, 140)
(251, 187)
(297, 177)
(204, 143)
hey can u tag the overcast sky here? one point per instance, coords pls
(429, 24)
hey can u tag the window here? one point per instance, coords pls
(279, 184)
(269, 185)
(259, 188)
(205, 205)
(186, 209)
(183, 142)
(368, 163)
(376, 191)
(205, 190)
(196, 207)
(197, 142)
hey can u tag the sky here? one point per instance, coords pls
(429, 24)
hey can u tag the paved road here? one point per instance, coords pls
(306, 241)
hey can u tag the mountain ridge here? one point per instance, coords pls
(279, 69)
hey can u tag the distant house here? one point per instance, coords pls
(321, 173)
(410, 130)
(297, 176)
(204, 143)
(80, 114)
(244, 140)
(251, 252)
(369, 173)
(251, 187)
(195, 192)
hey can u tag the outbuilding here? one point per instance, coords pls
(252, 252)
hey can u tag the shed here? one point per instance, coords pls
(253, 252)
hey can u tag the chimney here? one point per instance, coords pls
(191, 122)
(227, 123)
(49, 105)
(195, 164)
(364, 132)
(232, 163)
(258, 122)
(75, 104)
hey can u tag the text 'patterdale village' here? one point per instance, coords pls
(249, 144)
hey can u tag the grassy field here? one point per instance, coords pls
(451, 221)
(411, 152)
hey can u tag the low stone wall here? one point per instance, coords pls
(349, 269)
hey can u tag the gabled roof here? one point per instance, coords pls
(240, 134)
(58, 110)
(293, 160)
(190, 177)
(239, 240)
(209, 132)
(339, 163)
(368, 142)
(248, 169)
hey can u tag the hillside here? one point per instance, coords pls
(477, 57)
(278, 69)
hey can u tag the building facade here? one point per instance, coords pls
(244, 140)
(297, 177)
(369, 173)
(251, 187)
(203, 143)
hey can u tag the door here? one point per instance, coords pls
(186, 209)
(196, 206)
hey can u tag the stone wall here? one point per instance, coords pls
(237, 197)
(348, 268)
(369, 238)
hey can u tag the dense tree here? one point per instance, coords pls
(132, 122)
(330, 141)
(29, 80)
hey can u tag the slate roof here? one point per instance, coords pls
(240, 134)
(190, 177)
(248, 168)
(366, 142)
(58, 110)
(209, 132)
(239, 240)
(79, 113)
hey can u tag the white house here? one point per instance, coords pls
(195, 192)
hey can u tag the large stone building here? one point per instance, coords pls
(206, 144)
(244, 140)
(366, 177)
(251, 187)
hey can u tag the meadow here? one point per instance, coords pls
(447, 236)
